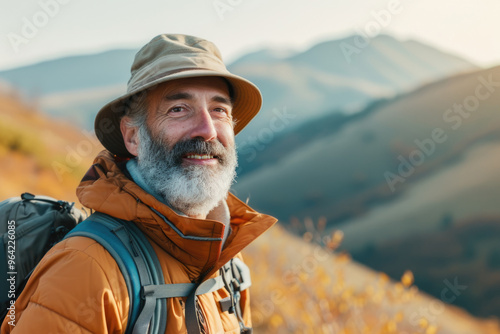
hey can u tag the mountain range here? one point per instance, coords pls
(307, 84)
(393, 176)
(348, 163)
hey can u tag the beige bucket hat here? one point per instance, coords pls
(169, 57)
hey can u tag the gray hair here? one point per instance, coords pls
(137, 109)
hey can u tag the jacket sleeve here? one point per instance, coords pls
(76, 288)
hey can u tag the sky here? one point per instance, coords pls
(36, 30)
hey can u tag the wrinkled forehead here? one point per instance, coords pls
(217, 85)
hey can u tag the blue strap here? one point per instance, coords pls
(104, 235)
(154, 316)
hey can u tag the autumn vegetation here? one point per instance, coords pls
(39, 154)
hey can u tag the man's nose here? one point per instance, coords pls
(204, 126)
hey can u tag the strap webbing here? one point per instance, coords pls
(191, 312)
(150, 293)
(182, 289)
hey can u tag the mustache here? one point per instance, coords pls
(200, 147)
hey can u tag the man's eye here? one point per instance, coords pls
(176, 109)
(221, 110)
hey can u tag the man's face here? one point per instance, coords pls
(186, 150)
(192, 108)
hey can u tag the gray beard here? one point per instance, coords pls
(194, 189)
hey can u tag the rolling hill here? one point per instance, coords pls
(39, 154)
(310, 289)
(74, 73)
(344, 170)
(463, 249)
(394, 172)
(322, 79)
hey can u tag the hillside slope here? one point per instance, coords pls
(451, 177)
(73, 73)
(39, 154)
(322, 79)
(344, 173)
(304, 288)
(463, 248)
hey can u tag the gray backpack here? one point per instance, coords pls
(29, 226)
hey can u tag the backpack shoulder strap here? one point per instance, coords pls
(137, 262)
(236, 275)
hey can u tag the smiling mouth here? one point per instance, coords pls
(200, 157)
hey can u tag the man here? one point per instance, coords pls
(170, 154)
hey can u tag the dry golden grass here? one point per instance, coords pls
(303, 286)
(39, 154)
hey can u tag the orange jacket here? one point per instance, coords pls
(78, 287)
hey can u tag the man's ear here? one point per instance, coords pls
(130, 135)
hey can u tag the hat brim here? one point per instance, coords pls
(247, 103)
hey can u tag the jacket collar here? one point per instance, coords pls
(197, 243)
